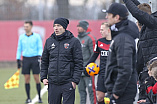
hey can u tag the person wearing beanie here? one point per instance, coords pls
(62, 21)
(146, 49)
(62, 64)
(83, 24)
(87, 42)
(120, 75)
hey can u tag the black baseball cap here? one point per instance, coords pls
(117, 9)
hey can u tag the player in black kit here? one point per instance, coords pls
(101, 47)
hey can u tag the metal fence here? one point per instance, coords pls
(51, 9)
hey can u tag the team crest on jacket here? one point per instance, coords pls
(66, 45)
(83, 41)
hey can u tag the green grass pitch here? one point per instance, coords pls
(18, 95)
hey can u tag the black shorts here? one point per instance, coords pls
(30, 63)
(100, 84)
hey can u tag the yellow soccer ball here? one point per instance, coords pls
(92, 69)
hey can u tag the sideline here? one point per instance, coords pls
(35, 99)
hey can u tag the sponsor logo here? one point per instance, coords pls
(101, 45)
(52, 46)
(104, 53)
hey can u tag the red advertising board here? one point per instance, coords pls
(10, 31)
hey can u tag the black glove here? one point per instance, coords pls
(149, 81)
(85, 72)
(18, 63)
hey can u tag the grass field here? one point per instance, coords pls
(18, 95)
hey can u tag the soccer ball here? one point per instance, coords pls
(92, 69)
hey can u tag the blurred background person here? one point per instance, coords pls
(87, 41)
(30, 47)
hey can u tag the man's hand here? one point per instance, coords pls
(115, 96)
(74, 85)
(141, 101)
(113, 99)
(45, 81)
(18, 63)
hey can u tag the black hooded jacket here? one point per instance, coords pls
(147, 46)
(62, 59)
(120, 75)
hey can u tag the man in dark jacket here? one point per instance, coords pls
(120, 74)
(62, 62)
(147, 46)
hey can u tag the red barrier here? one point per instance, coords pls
(10, 31)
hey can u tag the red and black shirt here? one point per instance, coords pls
(101, 47)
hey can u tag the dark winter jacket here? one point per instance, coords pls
(62, 59)
(147, 46)
(121, 75)
(87, 42)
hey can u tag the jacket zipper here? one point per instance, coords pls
(58, 61)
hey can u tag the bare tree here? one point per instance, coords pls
(13, 9)
(63, 8)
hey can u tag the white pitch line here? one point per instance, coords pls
(36, 98)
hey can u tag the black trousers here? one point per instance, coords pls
(57, 92)
(142, 88)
